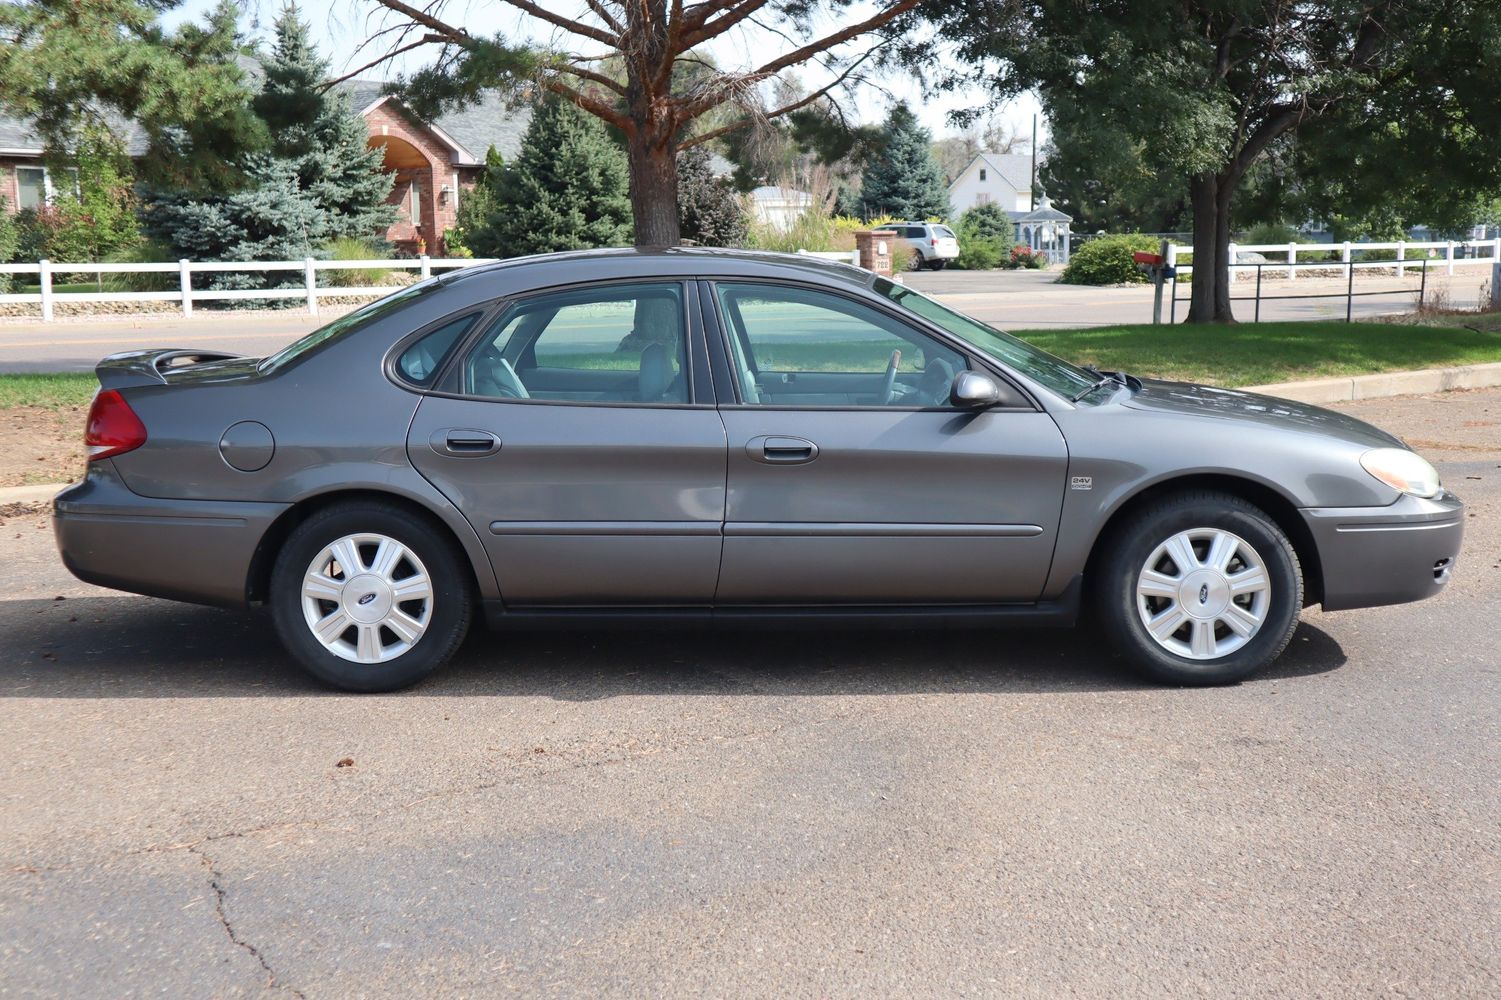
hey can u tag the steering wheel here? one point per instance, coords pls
(888, 388)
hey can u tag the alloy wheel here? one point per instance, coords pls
(1203, 593)
(367, 598)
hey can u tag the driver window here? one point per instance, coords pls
(798, 347)
(612, 344)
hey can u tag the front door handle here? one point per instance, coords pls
(774, 450)
(464, 443)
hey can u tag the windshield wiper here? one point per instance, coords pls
(1100, 379)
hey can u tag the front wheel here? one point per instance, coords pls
(368, 598)
(1200, 588)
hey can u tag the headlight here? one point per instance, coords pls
(1402, 470)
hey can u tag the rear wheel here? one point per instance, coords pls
(1200, 588)
(368, 598)
(939, 265)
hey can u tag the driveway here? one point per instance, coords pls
(738, 814)
(1014, 300)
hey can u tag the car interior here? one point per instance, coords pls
(793, 347)
(608, 345)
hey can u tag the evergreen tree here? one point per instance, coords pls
(477, 204)
(905, 180)
(318, 181)
(64, 62)
(709, 210)
(567, 189)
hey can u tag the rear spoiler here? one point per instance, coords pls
(138, 368)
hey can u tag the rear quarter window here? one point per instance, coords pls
(420, 363)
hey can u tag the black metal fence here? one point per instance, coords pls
(1349, 294)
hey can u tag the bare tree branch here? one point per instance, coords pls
(566, 23)
(426, 39)
(456, 35)
(786, 109)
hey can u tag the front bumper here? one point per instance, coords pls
(1373, 556)
(199, 551)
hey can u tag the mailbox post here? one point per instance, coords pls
(1157, 268)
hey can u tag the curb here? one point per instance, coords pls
(1347, 389)
(30, 494)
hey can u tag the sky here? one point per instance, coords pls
(340, 26)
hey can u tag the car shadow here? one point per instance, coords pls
(133, 647)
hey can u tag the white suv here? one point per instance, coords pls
(933, 245)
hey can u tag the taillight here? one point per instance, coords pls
(113, 426)
(934, 241)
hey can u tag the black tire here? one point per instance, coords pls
(1122, 563)
(917, 261)
(938, 265)
(449, 614)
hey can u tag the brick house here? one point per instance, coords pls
(434, 162)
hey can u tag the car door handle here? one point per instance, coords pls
(781, 450)
(464, 443)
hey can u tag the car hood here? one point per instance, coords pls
(1264, 411)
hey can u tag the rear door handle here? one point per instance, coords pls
(464, 443)
(774, 450)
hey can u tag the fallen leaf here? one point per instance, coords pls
(346, 762)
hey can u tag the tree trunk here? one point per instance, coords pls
(654, 189)
(651, 144)
(1210, 300)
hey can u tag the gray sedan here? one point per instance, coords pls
(676, 435)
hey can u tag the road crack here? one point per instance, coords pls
(215, 882)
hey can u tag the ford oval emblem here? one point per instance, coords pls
(1203, 594)
(370, 597)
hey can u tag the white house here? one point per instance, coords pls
(1003, 179)
(779, 207)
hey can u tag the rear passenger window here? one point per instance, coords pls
(611, 344)
(420, 362)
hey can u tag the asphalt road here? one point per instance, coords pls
(1016, 300)
(749, 814)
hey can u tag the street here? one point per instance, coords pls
(1011, 300)
(751, 813)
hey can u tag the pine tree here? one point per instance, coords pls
(476, 206)
(318, 181)
(567, 189)
(709, 210)
(905, 181)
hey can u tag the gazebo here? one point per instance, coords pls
(1044, 229)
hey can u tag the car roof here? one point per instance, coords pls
(671, 262)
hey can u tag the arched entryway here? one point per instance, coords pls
(415, 195)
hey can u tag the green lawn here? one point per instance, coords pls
(52, 391)
(1260, 353)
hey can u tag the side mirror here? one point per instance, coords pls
(974, 391)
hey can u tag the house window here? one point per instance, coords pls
(982, 173)
(414, 210)
(983, 198)
(31, 187)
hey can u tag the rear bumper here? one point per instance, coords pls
(1373, 556)
(198, 551)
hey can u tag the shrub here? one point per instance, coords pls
(977, 253)
(350, 248)
(1024, 256)
(144, 252)
(1106, 260)
(454, 245)
(10, 239)
(1272, 232)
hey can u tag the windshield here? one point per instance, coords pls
(1063, 378)
(347, 323)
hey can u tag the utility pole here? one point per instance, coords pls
(1032, 194)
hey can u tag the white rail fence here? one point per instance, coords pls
(186, 295)
(1283, 257)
